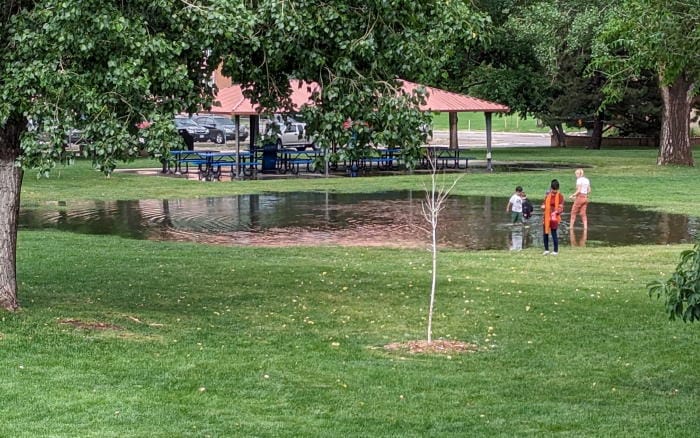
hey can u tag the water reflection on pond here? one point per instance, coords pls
(378, 219)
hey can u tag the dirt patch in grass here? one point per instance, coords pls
(90, 325)
(440, 346)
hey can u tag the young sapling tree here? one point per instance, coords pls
(435, 196)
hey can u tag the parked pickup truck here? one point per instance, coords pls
(289, 132)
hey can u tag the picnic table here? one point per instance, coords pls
(384, 159)
(292, 160)
(182, 160)
(211, 164)
(445, 158)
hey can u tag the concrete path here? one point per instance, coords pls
(477, 139)
(467, 139)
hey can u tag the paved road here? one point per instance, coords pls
(498, 139)
(467, 139)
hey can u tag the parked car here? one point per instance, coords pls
(221, 128)
(186, 125)
(279, 119)
(75, 136)
(289, 132)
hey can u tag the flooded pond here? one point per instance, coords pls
(392, 219)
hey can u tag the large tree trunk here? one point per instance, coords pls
(597, 134)
(674, 147)
(10, 185)
(454, 138)
(558, 135)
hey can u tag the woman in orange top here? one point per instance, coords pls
(552, 207)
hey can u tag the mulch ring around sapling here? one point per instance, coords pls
(439, 346)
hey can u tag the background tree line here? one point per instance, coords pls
(595, 65)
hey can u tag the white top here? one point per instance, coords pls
(583, 185)
(516, 203)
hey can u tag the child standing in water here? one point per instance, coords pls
(527, 207)
(552, 207)
(515, 206)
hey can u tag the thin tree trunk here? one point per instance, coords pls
(433, 282)
(435, 197)
(674, 147)
(10, 185)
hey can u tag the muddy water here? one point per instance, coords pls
(391, 219)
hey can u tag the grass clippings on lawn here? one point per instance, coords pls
(92, 325)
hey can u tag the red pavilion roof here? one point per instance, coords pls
(231, 101)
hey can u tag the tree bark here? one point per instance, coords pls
(454, 138)
(597, 134)
(674, 147)
(10, 185)
(558, 134)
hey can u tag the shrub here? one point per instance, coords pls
(682, 290)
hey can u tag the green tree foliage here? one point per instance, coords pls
(107, 66)
(104, 67)
(537, 62)
(349, 132)
(536, 59)
(501, 67)
(681, 292)
(661, 36)
(354, 51)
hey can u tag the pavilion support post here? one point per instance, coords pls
(254, 122)
(254, 128)
(238, 147)
(488, 141)
(454, 141)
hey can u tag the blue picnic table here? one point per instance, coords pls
(292, 160)
(211, 164)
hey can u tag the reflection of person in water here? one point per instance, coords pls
(516, 238)
(581, 241)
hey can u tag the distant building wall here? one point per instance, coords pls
(580, 141)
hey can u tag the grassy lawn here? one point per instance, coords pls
(618, 176)
(477, 122)
(119, 337)
(219, 341)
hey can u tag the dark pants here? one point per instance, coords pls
(555, 240)
(188, 139)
